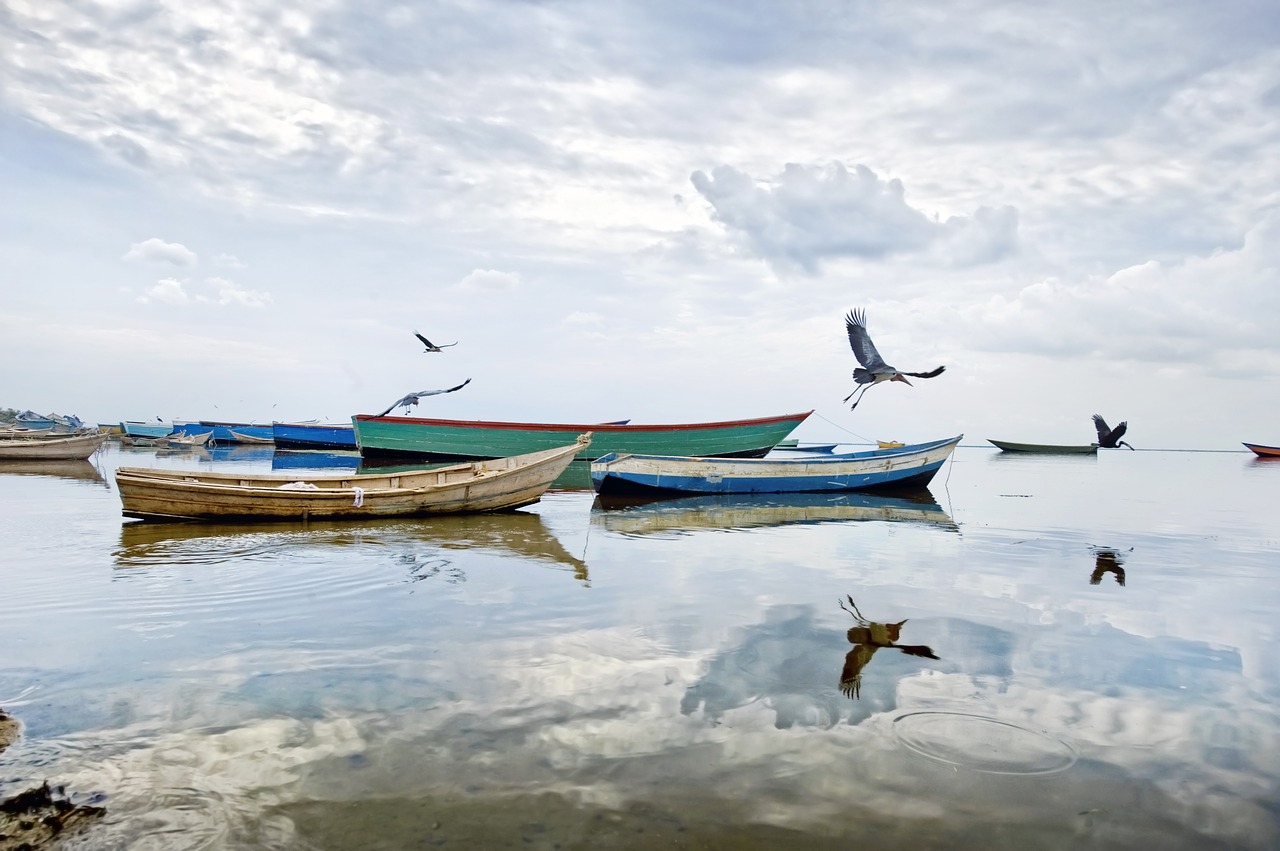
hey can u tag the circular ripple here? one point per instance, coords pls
(982, 744)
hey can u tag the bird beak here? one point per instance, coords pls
(903, 379)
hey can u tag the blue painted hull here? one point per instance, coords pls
(222, 431)
(314, 436)
(147, 429)
(901, 467)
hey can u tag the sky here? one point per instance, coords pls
(243, 209)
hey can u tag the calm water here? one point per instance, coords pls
(1041, 652)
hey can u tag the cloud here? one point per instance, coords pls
(1152, 312)
(156, 250)
(490, 280)
(228, 261)
(220, 291)
(167, 291)
(806, 215)
(228, 292)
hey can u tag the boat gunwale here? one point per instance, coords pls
(595, 427)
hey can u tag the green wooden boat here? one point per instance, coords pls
(432, 438)
(1045, 448)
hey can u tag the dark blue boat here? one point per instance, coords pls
(314, 435)
(222, 430)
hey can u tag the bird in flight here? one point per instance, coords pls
(430, 346)
(1109, 438)
(873, 370)
(409, 401)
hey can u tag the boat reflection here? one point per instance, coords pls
(744, 511)
(310, 459)
(519, 534)
(78, 469)
(868, 637)
(1107, 560)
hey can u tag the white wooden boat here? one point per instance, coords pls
(903, 467)
(182, 440)
(238, 436)
(53, 447)
(497, 484)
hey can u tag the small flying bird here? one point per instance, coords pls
(409, 401)
(430, 346)
(873, 370)
(1109, 438)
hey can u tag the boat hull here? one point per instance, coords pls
(433, 438)
(877, 469)
(138, 429)
(1044, 448)
(1263, 451)
(500, 484)
(57, 448)
(313, 436)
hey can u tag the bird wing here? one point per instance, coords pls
(855, 322)
(1103, 428)
(933, 373)
(1120, 430)
(422, 393)
(425, 341)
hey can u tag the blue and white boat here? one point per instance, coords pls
(901, 467)
(314, 435)
(222, 431)
(134, 428)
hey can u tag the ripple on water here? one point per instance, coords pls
(982, 744)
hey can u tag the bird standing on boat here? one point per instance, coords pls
(1109, 438)
(873, 370)
(432, 347)
(410, 400)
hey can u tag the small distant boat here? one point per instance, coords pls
(890, 444)
(222, 430)
(63, 447)
(1045, 448)
(910, 466)
(134, 428)
(1263, 451)
(499, 484)
(434, 438)
(238, 436)
(313, 435)
(182, 440)
(23, 431)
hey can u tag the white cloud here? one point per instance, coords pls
(490, 280)
(808, 214)
(219, 291)
(228, 261)
(167, 291)
(156, 250)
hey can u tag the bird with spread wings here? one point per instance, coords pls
(432, 347)
(1109, 438)
(410, 400)
(873, 370)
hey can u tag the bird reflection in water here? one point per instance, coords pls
(1107, 560)
(868, 637)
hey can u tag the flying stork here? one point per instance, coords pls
(1109, 438)
(873, 370)
(430, 346)
(410, 400)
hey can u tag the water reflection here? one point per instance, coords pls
(868, 637)
(78, 470)
(1107, 560)
(520, 534)
(744, 511)
(310, 459)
